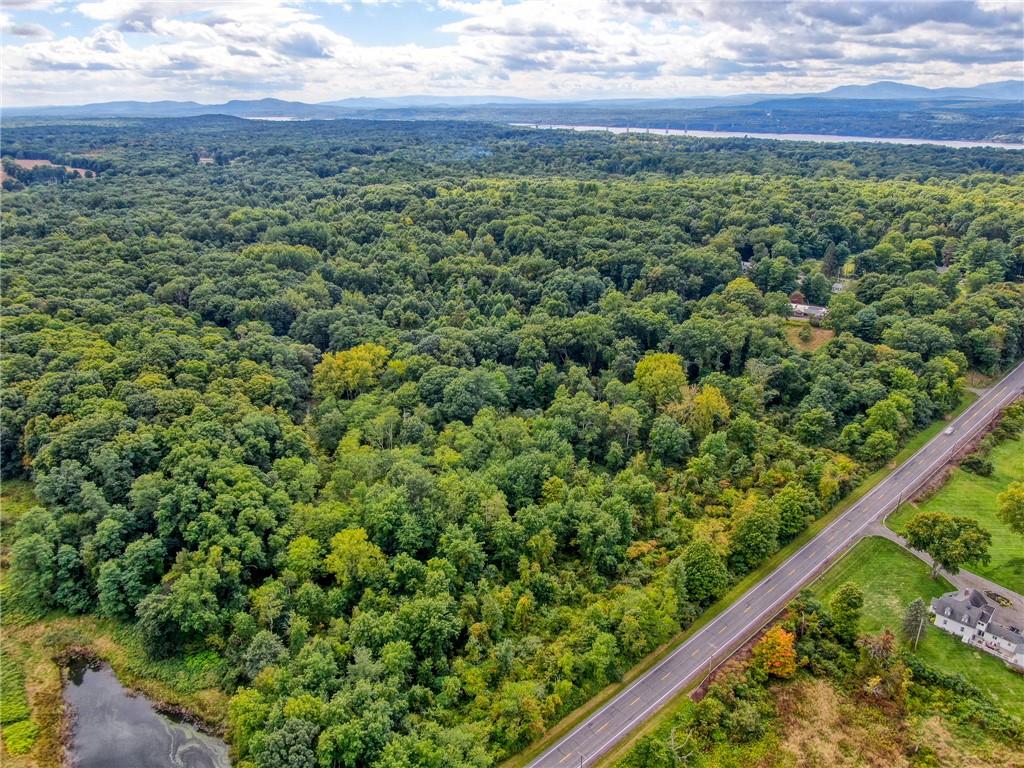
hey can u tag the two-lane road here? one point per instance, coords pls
(737, 623)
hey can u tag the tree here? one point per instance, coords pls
(343, 374)
(304, 557)
(879, 446)
(796, 506)
(517, 714)
(291, 745)
(669, 440)
(707, 410)
(815, 426)
(265, 649)
(247, 713)
(754, 537)
(661, 378)
(951, 541)
(72, 585)
(33, 571)
(354, 560)
(1011, 506)
(915, 617)
(775, 653)
(845, 605)
(706, 577)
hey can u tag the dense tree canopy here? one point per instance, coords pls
(428, 432)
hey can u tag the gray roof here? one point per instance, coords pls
(970, 608)
(1009, 634)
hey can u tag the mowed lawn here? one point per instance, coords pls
(891, 578)
(973, 496)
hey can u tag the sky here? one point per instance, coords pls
(65, 52)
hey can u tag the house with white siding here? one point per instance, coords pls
(972, 617)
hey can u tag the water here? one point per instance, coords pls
(113, 729)
(823, 138)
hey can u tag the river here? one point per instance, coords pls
(114, 729)
(822, 138)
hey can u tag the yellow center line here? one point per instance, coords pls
(601, 728)
(747, 609)
(791, 571)
(696, 651)
(666, 676)
(771, 589)
(634, 701)
(565, 758)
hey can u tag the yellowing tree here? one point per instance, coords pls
(343, 374)
(775, 653)
(661, 378)
(706, 410)
(354, 559)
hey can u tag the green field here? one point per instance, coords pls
(891, 578)
(973, 496)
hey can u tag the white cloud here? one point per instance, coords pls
(219, 49)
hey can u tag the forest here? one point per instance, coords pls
(420, 434)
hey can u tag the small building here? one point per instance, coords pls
(973, 618)
(808, 311)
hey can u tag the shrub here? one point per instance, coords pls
(977, 465)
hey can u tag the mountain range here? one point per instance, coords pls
(1004, 91)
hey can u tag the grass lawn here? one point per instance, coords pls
(970, 495)
(892, 578)
(819, 336)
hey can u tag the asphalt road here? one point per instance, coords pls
(692, 660)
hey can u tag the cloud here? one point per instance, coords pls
(28, 5)
(217, 49)
(306, 41)
(27, 29)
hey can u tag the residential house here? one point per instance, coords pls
(808, 311)
(972, 617)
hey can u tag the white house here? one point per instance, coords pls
(809, 311)
(970, 616)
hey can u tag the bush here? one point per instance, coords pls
(977, 465)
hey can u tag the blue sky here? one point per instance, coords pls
(65, 52)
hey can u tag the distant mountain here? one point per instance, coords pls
(1005, 90)
(394, 102)
(992, 111)
(257, 108)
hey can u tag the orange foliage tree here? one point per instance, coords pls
(775, 654)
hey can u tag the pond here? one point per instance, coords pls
(112, 728)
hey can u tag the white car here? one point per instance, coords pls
(947, 431)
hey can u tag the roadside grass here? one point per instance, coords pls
(973, 496)
(667, 712)
(891, 578)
